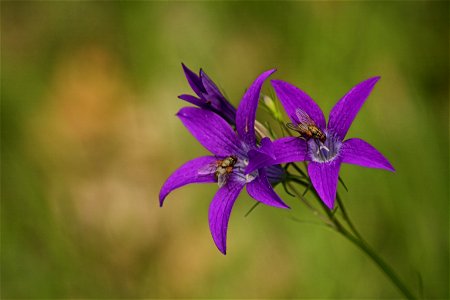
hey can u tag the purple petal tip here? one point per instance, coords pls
(186, 70)
(182, 112)
(271, 71)
(276, 82)
(373, 80)
(161, 200)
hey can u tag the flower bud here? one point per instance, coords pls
(272, 108)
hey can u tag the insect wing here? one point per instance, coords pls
(304, 118)
(222, 178)
(291, 126)
(300, 128)
(208, 169)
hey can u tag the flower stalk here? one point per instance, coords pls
(387, 270)
(352, 235)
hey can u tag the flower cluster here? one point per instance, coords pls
(239, 157)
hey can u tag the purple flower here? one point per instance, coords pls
(323, 145)
(209, 95)
(232, 153)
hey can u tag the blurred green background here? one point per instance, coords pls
(88, 136)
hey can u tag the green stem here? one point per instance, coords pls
(379, 262)
(294, 165)
(252, 208)
(311, 207)
(364, 246)
(347, 218)
(357, 239)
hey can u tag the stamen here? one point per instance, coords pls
(322, 146)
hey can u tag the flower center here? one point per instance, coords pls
(324, 152)
(240, 167)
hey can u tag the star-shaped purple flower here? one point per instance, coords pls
(323, 145)
(232, 153)
(209, 95)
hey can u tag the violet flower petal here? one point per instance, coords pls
(275, 174)
(261, 190)
(210, 130)
(187, 173)
(262, 156)
(359, 152)
(193, 100)
(246, 113)
(218, 108)
(258, 160)
(324, 178)
(293, 98)
(345, 111)
(290, 149)
(287, 149)
(266, 147)
(194, 81)
(220, 210)
(217, 99)
(210, 87)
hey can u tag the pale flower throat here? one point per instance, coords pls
(324, 152)
(240, 166)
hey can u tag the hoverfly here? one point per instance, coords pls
(220, 168)
(307, 127)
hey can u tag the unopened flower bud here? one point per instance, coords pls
(272, 107)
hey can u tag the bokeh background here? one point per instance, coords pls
(88, 136)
